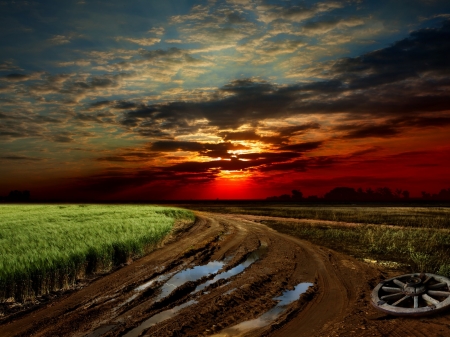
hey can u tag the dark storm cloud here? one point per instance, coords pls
(421, 58)
(284, 133)
(302, 147)
(423, 51)
(203, 172)
(250, 103)
(265, 161)
(423, 121)
(99, 117)
(204, 149)
(173, 146)
(152, 133)
(100, 104)
(295, 129)
(64, 137)
(161, 53)
(296, 165)
(365, 131)
(240, 135)
(231, 165)
(20, 124)
(125, 105)
(366, 151)
(270, 157)
(76, 86)
(130, 157)
(88, 118)
(20, 158)
(116, 180)
(194, 171)
(16, 77)
(392, 127)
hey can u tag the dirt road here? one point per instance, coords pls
(227, 276)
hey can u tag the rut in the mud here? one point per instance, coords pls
(225, 276)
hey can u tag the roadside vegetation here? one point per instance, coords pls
(44, 248)
(414, 238)
(424, 217)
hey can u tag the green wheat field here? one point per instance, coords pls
(44, 248)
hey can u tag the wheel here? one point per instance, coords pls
(412, 294)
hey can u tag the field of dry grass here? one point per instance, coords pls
(415, 238)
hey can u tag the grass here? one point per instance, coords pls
(424, 250)
(44, 248)
(426, 217)
(415, 236)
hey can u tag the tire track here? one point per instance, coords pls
(337, 305)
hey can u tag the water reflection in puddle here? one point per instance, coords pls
(138, 290)
(145, 285)
(253, 257)
(162, 316)
(285, 299)
(175, 280)
(192, 274)
(187, 275)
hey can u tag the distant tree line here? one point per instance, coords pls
(444, 194)
(17, 196)
(351, 194)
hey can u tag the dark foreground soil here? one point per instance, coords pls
(338, 303)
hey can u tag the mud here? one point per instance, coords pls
(227, 272)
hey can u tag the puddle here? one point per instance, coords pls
(192, 274)
(162, 316)
(145, 285)
(253, 257)
(102, 330)
(138, 290)
(285, 299)
(174, 281)
(290, 296)
(230, 291)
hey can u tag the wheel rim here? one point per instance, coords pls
(412, 294)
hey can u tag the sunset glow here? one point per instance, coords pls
(223, 99)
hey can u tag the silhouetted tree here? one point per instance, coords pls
(426, 195)
(385, 193)
(274, 198)
(26, 195)
(297, 195)
(18, 196)
(443, 195)
(342, 194)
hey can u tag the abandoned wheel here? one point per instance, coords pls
(412, 294)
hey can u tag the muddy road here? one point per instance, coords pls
(227, 276)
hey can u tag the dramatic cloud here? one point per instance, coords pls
(269, 13)
(20, 158)
(207, 95)
(145, 41)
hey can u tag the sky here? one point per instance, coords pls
(229, 99)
